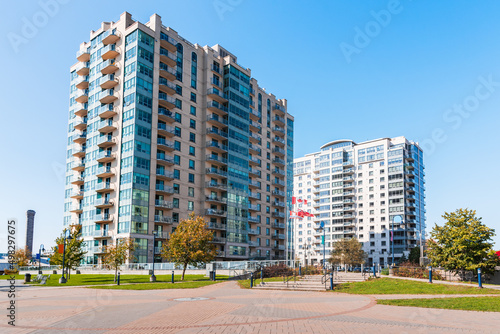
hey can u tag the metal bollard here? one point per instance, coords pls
(300, 269)
(251, 280)
(261, 275)
(331, 281)
(118, 279)
(374, 271)
(430, 274)
(479, 278)
(173, 276)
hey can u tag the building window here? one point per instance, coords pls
(193, 97)
(178, 117)
(177, 131)
(175, 217)
(176, 188)
(192, 110)
(191, 164)
(192, 123)
(190, 206)
(177, 160)
(191, 178)
(177, 145)
(177, 174)
(175, 203)
(191, 192)
(192, 150)
(192, 137)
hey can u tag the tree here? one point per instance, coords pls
(190, 244)
(21, 257)
(116, 255)
(347, 252)
(74, 253)
(463, 243)
(414, 256)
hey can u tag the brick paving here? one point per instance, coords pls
(229, 309)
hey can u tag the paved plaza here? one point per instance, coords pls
(225, 308)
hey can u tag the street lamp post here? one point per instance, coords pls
(42, 248)
(397, 219)
(153, 277)
(322, 226)
(67, 235)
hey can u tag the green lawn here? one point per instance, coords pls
(489, 304)
(400, 286)
(245, 284)
(156, 286)
(8, 276)
(96, 279)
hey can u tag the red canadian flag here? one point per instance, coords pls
(294, 200)
(293, 215)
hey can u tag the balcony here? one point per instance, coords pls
(216, 160)
(253, 195)
(81, 109)
(254, 184)
(279, 141)
(279, 109)
(166, 101)
(348, 208)
(109, 67)
(82, 82)
(162, 173)
(110, 37)
(168, 42)
(254, 149)
(255, 126)
(166, 130)
(216, 82)
(217, 134)
(217, 95)
(254, 138)
(80, 123)
(105, 172)
(254, 172)
(253, 207)
(349, 185)
(215, 212)
(278, 171)
(78, 152)
(217, 108)
(279, 121)
(77, 194)
(278, 236)
(108, 81)
(167, 87)
(216, 185)
(279, 182)
(252, 219)
(348, 193)
(82, 96)
(409, 158)
(165, 159)
(159, 203)
(79, 180)
(218, 240)
(254, 161)
(163, 219)
(278, 247)
(107, 96)
(98, 249)
(279, 151)
(215, 199)
(165, 115)
(105, 157)
(106, 125)
(82, 69)
(255, 114)
(164, 189)
(216, 69)
(279, 204)
(348, 163)
(168, 57)
(278, 214)
(80, 137)
(278, 225)
(167, 72)
(78, 166)
(216, 120)
(279, 193)
(216, 226)
(103, 218)
(279, 161)
(76, 209)
(106, 141)
(252, 104)
(161, 235)
(103, 187)
(109, 52)
(166, 145)
(107, 111)
(103, 203)
(216, 172)
(252, 231)
(83, 55)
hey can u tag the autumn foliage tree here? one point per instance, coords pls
(74, 253)
(462, 244)
(21, 257)
(347, 252)
(190, 244)
(116, 255)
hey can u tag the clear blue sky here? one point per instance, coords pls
(403, 78)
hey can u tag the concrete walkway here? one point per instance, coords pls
(225, 308)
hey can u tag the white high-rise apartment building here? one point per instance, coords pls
(357, 190)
